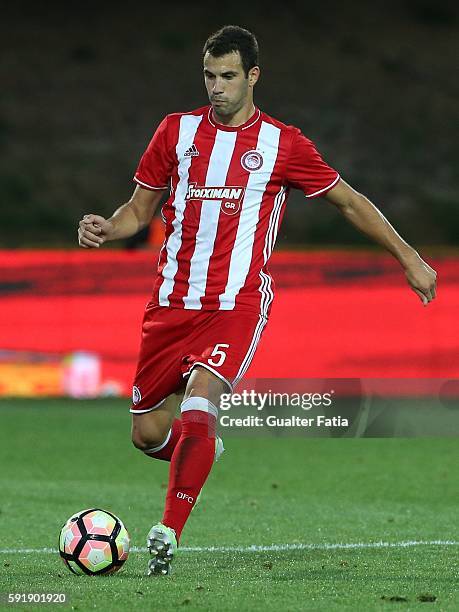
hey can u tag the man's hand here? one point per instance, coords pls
(422, 279)
(93, 230)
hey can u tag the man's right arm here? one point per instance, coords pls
(127, 220)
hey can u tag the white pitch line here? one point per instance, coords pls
(254, 548)
(325, 546)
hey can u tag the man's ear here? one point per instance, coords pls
(254, 74)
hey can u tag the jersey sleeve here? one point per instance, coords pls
(155, 167)
(306, 170)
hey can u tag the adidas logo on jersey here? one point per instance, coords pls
(192, 151)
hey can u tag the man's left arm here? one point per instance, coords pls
(364, 215)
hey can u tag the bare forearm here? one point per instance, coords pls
(126, 221)
(370, 221)
(358, 209)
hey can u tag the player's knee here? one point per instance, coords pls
(139, 441)
(146, 439)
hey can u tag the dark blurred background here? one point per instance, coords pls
(373, 84)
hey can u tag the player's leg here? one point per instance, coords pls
(218, 353)
(157, 432)
(195, 452)
(158, 384)
(191, 463)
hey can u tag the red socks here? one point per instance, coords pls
(191, 460)
(164, 451)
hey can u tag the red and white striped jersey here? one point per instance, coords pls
(228, 188)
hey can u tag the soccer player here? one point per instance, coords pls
(228, 168)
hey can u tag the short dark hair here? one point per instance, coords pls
(234, 38)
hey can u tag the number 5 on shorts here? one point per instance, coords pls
(221, 355)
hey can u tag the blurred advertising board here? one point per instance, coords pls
(70, 320)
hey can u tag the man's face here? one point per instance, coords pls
(227, 86)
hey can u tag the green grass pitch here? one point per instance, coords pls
(59, 457)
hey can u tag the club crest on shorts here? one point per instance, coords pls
(136, 395)
(252, 160)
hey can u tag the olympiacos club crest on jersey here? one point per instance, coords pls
(252, 160)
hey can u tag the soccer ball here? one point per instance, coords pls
(94, 542)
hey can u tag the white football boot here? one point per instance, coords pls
(162, 541)
(162, 546)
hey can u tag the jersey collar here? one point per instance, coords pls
(231, 128)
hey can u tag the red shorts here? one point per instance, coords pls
(175, 340)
